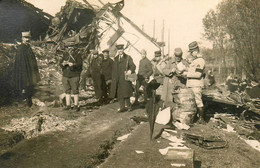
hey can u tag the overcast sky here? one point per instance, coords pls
(183, 18)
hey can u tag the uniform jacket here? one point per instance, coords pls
(121, 88)
(195, 73)
(74, 70)
(145, 68)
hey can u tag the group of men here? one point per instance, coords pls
(110, 76)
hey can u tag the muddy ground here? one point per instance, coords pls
(92, 142)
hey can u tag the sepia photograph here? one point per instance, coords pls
(129, 84)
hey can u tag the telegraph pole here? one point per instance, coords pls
(163, 38)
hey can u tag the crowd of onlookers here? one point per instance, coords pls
(117, 79)
(113, 78)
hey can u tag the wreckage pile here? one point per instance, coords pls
(38, 124)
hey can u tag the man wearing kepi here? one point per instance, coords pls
(71, 64)
(195, 77)
(120, 87)
(144, 73)
(26, 72)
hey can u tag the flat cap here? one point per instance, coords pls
(120, 46)
(105, 51)
(157, 53)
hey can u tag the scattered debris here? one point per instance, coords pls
(171, 138)
(138, 152)
(229, 128)
(253, 143)
(177, 165)
(122, 138)
(37, 102)
(40, 123)
(163, 116)
(181, 126)
(213, 142)
(139, 119)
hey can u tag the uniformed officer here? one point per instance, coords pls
(195, 77)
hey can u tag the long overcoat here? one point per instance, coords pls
(25, 73)
(121, 88)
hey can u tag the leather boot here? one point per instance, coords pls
(201, 115)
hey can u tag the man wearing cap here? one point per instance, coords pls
(195, 77)
(71, 64)
(144, 73)
(174, 66)
(95, 72)
(157, 75)
(26, 72)
(106, 71)
(121, 88)
(85, 67)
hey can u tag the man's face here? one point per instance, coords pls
(120, 51)
(194, 53)
(178, 59)
(143, 55)
(157, 58)
(106, 55)
(95, 55)
(25, 39)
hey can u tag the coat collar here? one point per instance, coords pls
(124, 56)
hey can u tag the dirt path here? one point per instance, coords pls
(237, 155)
(94, 141)
(85, 146)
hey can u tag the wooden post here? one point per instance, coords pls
(163, 38)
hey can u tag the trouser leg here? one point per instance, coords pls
(121, 103)
(127, 102)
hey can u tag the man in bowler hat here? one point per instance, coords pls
(121, 88)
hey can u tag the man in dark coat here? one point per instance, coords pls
(26, 73)
(106, 65)
(95, 72)
(71, 64)
(121, 88)
(85, 67)
(144, 72)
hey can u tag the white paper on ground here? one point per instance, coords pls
(254, 144)
(122, 138)
(163, 116)
(177, 165)
(165, 150)
(181, 126)
(178, 145)
(169, 130)
(137, 151)
(170, 137)
(229, 128)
